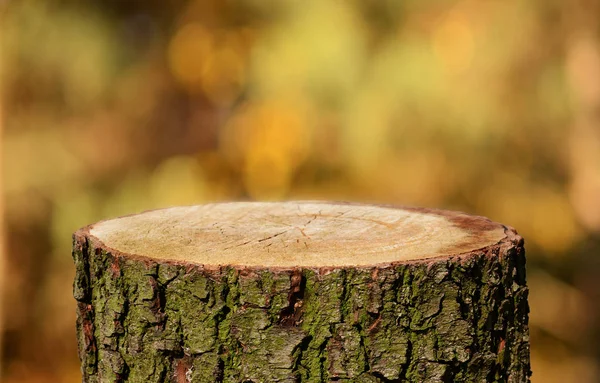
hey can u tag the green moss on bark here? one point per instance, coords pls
(461, 319)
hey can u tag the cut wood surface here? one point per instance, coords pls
(295, 234)
(301, 292)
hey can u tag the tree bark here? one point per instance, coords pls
(456, 314)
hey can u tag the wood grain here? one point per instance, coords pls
(301, 292)
(296, 234)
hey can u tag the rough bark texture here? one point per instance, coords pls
(449, 319)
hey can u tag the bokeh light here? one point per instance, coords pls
(117, 107)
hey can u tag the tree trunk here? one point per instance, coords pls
(301, 292)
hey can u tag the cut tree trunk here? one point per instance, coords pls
(301, 292)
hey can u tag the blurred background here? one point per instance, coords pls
(113, 107)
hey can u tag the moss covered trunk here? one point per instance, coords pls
(451, 319)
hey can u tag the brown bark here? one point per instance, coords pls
(435, 317)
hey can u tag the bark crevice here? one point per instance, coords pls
(460, 320)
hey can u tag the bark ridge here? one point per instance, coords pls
(449, 319)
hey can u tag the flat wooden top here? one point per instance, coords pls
(295, 234)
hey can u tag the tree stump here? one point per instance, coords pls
(301, 292)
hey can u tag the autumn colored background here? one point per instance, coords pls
(114, 107)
